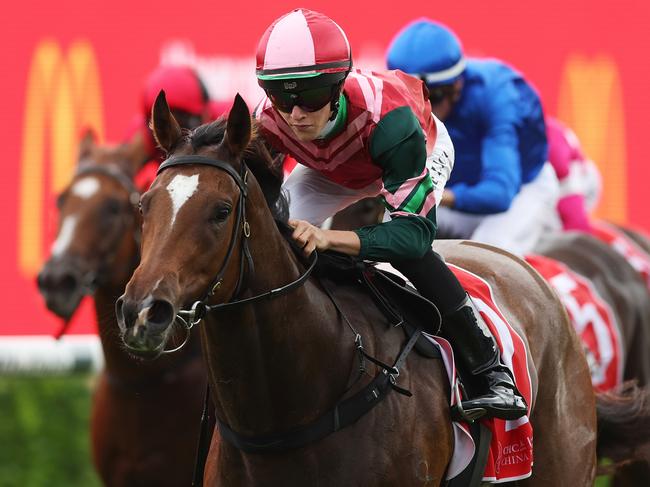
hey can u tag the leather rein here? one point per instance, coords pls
(346, 411)
(193, 316)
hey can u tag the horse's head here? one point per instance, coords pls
(192, 225)
(98, 219)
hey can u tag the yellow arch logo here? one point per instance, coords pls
(63, 96)
(591, 103)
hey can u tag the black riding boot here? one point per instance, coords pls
(490, 384)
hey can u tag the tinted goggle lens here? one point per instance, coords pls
(437, 93)
(310, 100)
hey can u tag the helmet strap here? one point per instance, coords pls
(336, 102)
(334, 105)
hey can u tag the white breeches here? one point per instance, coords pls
(314, 198)
(519, 228)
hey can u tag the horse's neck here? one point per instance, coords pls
(281, 361)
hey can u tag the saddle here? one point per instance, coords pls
(399, 302)
(405, 307)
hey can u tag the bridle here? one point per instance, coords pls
(90, 280)
(346, 411)
(242, 232)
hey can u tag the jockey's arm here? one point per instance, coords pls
(501, 174)
(398, 146)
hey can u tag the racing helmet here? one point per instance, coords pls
(303, 59)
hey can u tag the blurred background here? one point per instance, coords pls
(74, 64)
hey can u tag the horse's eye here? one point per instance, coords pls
(112, 207)
(221, 214)
(60, 200)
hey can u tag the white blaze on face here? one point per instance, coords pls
(86, 187)
(181, 189)
(66, 233)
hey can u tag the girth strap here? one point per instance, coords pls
(343, 414)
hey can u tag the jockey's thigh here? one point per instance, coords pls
(456, 224)
(520, 227)
(314, 198)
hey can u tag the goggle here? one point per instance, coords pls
(309, 100)
(437, 92)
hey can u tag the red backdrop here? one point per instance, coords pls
(74, 63)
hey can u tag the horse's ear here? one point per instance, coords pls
(136, 154)
(165, 128)
(86, 143)
(238, 127)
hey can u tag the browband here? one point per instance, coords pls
(204, 161)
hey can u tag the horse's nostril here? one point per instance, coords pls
(55, 281)
(161, 313)
(118, 311)
(68, 283)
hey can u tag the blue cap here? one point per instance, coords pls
(427, 49)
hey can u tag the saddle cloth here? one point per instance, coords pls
(591, 317)
(511, 450)
(624, 245)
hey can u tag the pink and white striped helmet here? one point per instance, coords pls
(302, 44)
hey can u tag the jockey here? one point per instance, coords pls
(578, 176)
(501, 191)
(189, 102)
(187, 98)
(359, 134)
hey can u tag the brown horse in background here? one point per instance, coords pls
(627, 295)
(288, 358)
(640, 238)
(145, 416)
(618, 284)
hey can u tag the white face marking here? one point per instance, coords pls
(66, 233)
(86, 187)
(180, 190)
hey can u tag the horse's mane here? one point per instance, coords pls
(267, 169)
(265, 165)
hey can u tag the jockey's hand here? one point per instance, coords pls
(311, 238)
(308, 236)
(448, 198)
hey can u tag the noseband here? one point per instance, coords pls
(201, 308)
(346, 411)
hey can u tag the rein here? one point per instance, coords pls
(346, 411)
(198, 311)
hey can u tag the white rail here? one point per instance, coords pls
(43, 354)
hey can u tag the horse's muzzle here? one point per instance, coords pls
(145, 325)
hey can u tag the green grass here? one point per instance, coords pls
(602, 482)
(44, 440)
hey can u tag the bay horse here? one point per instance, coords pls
(626, 293)
(639, 237)
(279, 354)
(618, 284)
(623, 290)
(145, 416)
